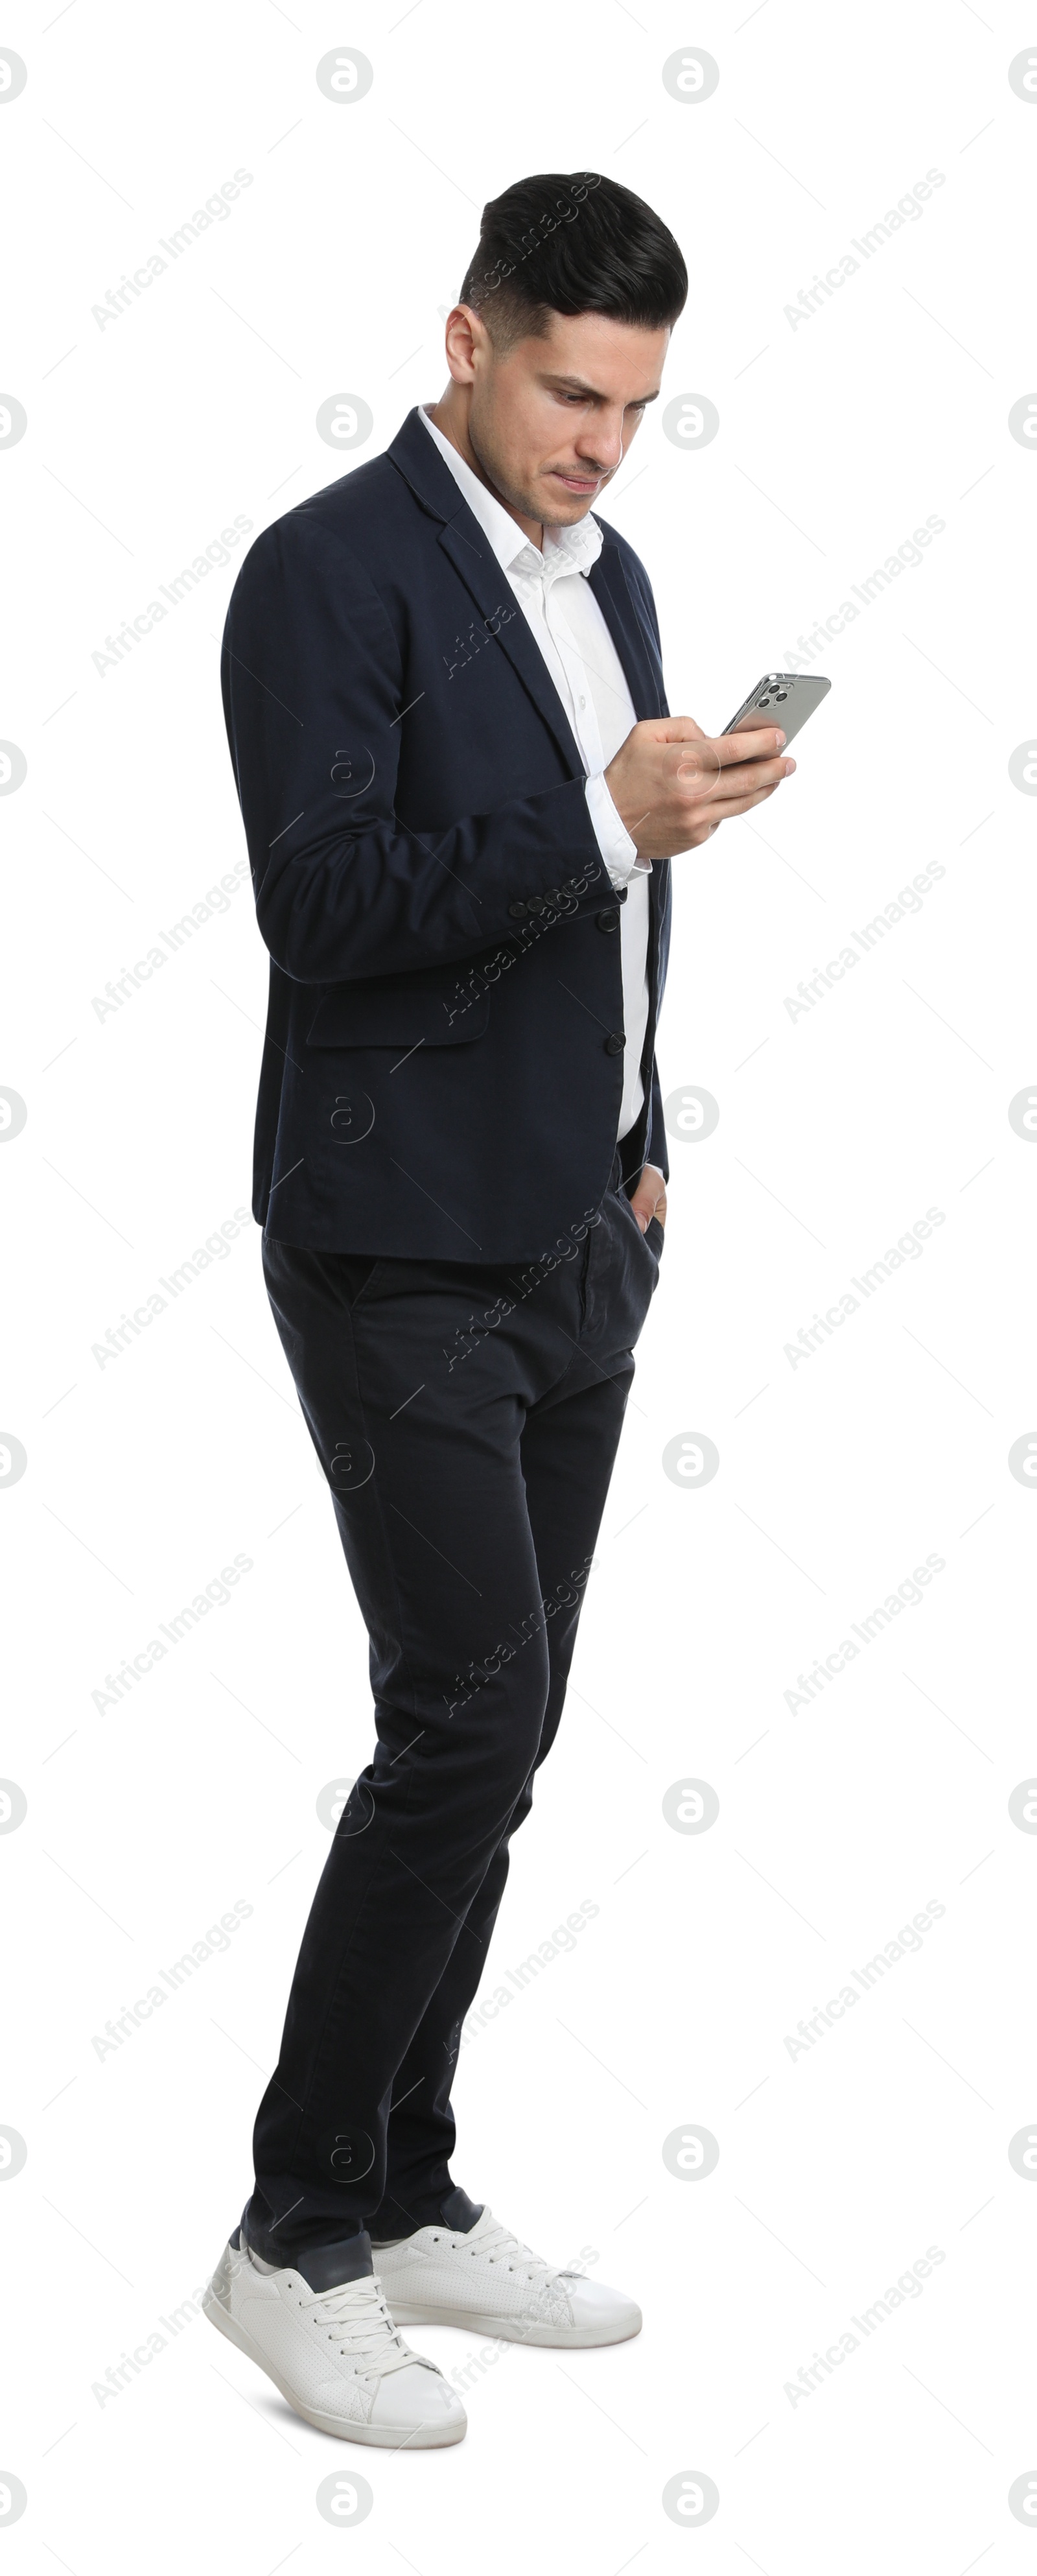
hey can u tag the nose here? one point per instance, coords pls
(600, 448)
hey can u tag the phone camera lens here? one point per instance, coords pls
(763, 702)
(781, 693)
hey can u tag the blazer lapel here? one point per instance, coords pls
(472, 556)
(612, 591)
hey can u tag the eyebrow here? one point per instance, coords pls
(575, 384)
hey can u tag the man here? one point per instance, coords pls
(461, 790)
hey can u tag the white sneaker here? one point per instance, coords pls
(489, 2280)
(334, 2354)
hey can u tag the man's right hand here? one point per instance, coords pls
(671, 784)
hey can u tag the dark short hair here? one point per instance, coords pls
(575, 243)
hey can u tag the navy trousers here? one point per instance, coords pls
(467, 1419)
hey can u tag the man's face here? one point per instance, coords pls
(551, 422)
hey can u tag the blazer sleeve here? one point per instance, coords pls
(313, 690)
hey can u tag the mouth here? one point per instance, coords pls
(579, 483)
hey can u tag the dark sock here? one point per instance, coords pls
(322, 2265)
(456, 2211)
(459, 2213)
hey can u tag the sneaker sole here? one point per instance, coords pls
(511, 2329)
(383, 2437)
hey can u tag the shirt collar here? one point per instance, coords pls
(566, 549)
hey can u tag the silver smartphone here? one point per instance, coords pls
(786, 698)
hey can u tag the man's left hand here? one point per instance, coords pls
(649, 1198)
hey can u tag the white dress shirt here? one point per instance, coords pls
(560, 608)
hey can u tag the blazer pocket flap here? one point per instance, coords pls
(400, 1011)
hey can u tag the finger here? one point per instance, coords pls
(650, 1196)
(751, 774)
(644, 1204)
(695, 764)
(730, 747)
(744, 804)
(724, 814)
(739, 805)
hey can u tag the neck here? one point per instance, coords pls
(450, 415)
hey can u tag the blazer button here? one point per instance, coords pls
(607, 920)
(536, 903)
(615, 1044)
(516, 912)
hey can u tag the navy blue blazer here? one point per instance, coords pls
(443, 1062)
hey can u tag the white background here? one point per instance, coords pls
(838, 1819)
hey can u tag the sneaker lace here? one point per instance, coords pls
(490, 2237)
(358, 2322)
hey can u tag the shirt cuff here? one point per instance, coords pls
(618, 851)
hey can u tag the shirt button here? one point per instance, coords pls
(607, 920)
(516, 912)
(583, 702)
(615, 1044)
